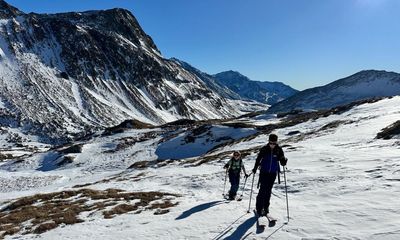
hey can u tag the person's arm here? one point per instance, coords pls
(258, 159)
(282, 159)
(228, 164)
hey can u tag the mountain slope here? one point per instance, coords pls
(362, 85)
(68, 73)
(211, 82)
(265, 92)
(342, 182)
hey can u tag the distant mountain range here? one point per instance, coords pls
(265, 92)
(362, 85)
(234, 85)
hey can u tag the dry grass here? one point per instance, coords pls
(141, 164)
(5, 156)
(42, 212)
(127, 142)
(117, 178)
(127, 124)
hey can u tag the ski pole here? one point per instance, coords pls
(287, 200)
(244, 185)
(251, 192)
(223, 193)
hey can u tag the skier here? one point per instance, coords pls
(268, 160)
(233, 167)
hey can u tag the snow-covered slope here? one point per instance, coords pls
(362, 85)
(343, 182)
(265, 92)
(66, 74)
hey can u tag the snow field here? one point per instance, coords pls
(342, 184)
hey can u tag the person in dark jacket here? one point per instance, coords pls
(233, 167)
(268, 161)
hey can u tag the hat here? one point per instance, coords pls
(273, 138)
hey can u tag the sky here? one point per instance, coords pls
(303, 43)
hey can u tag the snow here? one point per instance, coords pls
(78, 97)
(342, 182)
(2, 104)
(179, 147)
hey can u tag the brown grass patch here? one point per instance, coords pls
(6, 156)
(117, 178)
(140, 165)
(127, 124)
(43, 212)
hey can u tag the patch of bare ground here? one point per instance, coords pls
(42, 212)
(125, 125)
(390, 131)
(117, 178)
(126, 142)
(6, 156)
(70, 148)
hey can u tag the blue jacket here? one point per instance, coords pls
(269, 159)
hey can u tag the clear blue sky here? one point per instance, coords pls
(303, 43)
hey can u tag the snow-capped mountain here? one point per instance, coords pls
(362, 85)
(265, 92)
(64, 74)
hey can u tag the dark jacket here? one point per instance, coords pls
(268, 159)
(235, 166)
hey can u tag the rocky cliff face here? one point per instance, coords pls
(64, 74)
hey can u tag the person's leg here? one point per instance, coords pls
(235, 184)
(270, 180)
(262, 193)
(232, 182)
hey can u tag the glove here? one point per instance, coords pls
(254, 170)
(226, 166)
(284, 161)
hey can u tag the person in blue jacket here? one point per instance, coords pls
(268, 161)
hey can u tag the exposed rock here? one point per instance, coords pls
(390, 131)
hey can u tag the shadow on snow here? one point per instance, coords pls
(242, 228)
(198, 208)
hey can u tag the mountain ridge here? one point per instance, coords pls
(361, 85)
(265, 92)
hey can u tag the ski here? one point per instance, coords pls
(260, 223)
(271, 220)
(240, 198)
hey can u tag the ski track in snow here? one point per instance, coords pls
(342, 184)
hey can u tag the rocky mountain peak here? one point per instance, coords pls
(231, 75)
(67, 74)
(8, 11)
